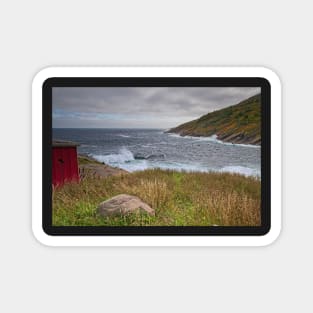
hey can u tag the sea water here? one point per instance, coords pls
(140, 149)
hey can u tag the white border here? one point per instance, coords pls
(155, 72)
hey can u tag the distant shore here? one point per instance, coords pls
(237, 124)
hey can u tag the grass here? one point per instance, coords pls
(179, 199)
(240, 123)
(83, 160)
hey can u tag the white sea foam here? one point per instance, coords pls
(124, 159)
(137, 165)
(124, 136)
(176, 135)
(247, 171)
(140, 165)
(180, 166)
(124, 155)
(213, 138)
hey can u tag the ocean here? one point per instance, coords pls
(140, 149)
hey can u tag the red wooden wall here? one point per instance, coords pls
(64, 165)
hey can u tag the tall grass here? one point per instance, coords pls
(179, 199)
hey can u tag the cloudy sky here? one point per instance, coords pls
(139, 107)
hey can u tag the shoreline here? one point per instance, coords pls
(90, 167)
(213, 138)
(101, 169)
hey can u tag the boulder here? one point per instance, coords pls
(122, 205)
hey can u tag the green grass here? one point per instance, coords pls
(240, 123)
(179, 199)
(83, 160)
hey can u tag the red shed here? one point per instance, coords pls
(64, 162)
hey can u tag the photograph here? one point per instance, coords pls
(156, 156)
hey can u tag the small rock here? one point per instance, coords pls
(123, 204)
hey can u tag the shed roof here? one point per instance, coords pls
(63, 143)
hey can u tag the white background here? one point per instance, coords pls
(36, 34)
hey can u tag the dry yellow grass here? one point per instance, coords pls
(179, 198)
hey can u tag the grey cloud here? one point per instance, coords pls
(140, 106)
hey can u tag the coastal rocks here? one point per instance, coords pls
(123, 204)
(89, 167)
(154, 156)
(99, 171)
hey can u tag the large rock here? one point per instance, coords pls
(123, 204)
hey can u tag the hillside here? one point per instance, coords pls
(239, 123)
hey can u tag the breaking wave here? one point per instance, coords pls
(213, 138)
(123, 156)
(124, 136)
(126, 160)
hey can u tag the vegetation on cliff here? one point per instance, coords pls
(239, 123)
